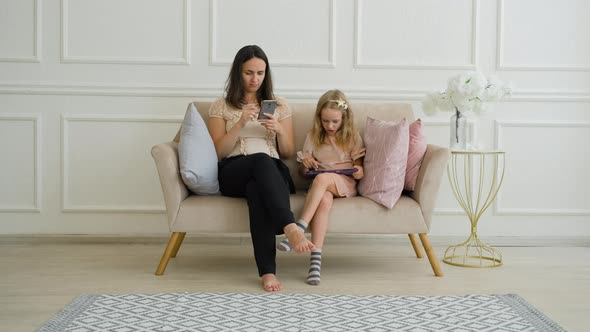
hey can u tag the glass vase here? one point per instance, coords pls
(458, 126)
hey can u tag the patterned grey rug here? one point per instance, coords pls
(297, 312)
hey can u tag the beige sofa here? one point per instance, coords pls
(411, 215)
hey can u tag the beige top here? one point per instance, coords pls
(332, 156)
(253, 138)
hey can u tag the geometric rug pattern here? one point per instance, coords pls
(212, 312)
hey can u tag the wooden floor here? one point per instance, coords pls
(41, 277)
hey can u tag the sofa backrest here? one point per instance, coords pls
(303, 120)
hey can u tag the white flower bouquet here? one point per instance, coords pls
(469, 91)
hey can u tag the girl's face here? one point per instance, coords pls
(253, 72)
(331, 119)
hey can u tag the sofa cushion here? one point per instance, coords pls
(196, 155)
(416, 150)
(385, 161)
(220, 214)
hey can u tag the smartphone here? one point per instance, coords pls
(268, 106)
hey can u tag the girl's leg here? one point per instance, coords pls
(318, 234)
(315, 265)
(321, 184)
(320, 220)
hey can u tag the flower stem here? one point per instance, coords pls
(457, 116)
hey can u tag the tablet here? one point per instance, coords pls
(344, 171)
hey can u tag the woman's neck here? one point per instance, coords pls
(250, 98)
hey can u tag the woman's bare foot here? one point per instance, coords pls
(270, 283)
(297, 239)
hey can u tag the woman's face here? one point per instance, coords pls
(331, 119)
(253, 72)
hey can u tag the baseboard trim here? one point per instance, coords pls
(244, 238)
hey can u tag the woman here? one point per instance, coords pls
(249, 150)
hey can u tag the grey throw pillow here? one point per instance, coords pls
(196, 155)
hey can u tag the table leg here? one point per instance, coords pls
(474, 252)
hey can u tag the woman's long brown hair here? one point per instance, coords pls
(234, 86)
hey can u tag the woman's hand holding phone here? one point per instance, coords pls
(272, 124)
(267, 108)
(267, 117)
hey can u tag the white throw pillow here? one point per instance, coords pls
(196, 155)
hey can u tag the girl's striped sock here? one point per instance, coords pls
(284, 245)
(315, 266)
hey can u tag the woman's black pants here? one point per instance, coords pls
(261, 180)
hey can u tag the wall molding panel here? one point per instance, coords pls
(110, 89)
(358, 42)
(185, 59)
(499, 209)
(36, 56)
(293, 92)
(501, 64)
(215, 60)
(37, 163)
(66, 120)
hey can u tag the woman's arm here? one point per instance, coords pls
(285, 138)
(224, 141)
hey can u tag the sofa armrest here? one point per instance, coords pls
(166, 157)
(429, 179)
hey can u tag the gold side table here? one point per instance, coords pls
(475, 179)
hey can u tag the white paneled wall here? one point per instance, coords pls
(108, 173)
(20, 31)
(423, 48)
(87, 87)
(552, 37)
(112, 31)
(21, 163)
(300, 32)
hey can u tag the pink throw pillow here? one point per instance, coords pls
(385, 161)
(416, 151)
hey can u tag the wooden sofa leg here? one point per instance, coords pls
(415, 245)
(167, 253)
(177, 244)
(431, 255)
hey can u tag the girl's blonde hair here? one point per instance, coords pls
(346, 134)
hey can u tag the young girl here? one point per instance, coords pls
(333, 144)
